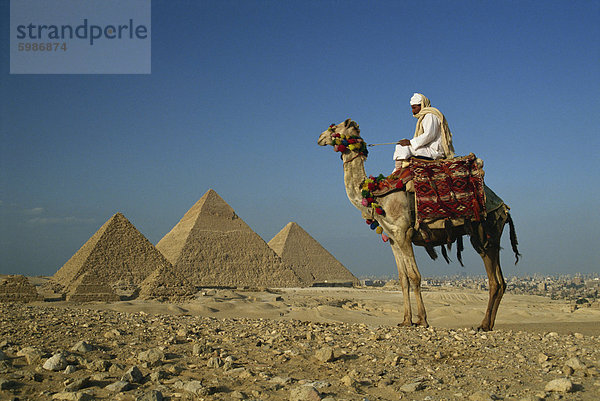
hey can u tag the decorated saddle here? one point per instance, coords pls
(448, 192)
(448, 189)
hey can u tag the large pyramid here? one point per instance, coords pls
(308, 258)
(212, 246)
(117, 255)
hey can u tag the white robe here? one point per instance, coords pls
(428, 144)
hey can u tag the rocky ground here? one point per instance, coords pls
(73, 353)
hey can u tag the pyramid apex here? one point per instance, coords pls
(118, 215)
(293, 226)
(211, 203)
(279, 241)
(287, 227)
(210, 193)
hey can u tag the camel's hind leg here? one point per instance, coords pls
(497, 286)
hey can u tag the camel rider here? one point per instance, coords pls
(432, 139)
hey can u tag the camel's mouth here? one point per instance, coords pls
(325, 137)
(322, 141)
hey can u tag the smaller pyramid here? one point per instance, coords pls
(17, 288)
(117, 255)
(307, 257)
(89, 287)
(166, 283)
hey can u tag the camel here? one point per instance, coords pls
(397, 224)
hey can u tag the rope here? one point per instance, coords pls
(378, 144)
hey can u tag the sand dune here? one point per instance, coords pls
(447, 308)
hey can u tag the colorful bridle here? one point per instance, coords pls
(344, 143)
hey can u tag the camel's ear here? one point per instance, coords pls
(347, 122)
(353, 124)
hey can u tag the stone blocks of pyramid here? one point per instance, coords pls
(308, 258)
(212, 246)
(117, 255)
(166, 283)
(88, 287)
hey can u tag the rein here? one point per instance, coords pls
(379, 144)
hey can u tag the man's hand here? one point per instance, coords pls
(404, 142)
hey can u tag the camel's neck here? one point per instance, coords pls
(354, 175)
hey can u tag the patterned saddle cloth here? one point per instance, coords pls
(447, 193)
(448, 189)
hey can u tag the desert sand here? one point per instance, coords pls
(447, 308)
(299, 344)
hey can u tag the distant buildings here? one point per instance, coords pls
(581, 289)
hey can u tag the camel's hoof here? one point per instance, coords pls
(482, 328)
(423, 324)
(406, 324)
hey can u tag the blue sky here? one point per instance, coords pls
(240, 91)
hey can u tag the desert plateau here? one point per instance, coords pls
(298, 344)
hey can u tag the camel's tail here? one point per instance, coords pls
(513, 237)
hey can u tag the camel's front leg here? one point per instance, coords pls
(408, 271)
(415, 278)
(422, 314)
(497, 286)
(403, 278)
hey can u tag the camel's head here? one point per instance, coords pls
(344, 137)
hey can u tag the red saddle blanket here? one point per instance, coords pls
(448, 189)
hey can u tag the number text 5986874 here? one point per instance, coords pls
(42, 47)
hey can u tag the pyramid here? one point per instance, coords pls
(166, 283)
(308, 258)
(117, 255)
(89, 287)
(212, 246)
(17, 288)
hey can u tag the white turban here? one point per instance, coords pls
(416, 99)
